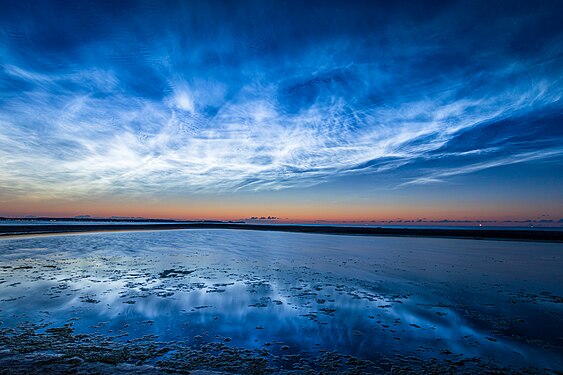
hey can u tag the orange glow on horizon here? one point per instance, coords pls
(289, 212)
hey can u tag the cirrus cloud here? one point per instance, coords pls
(258, 106)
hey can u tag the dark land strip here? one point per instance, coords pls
(483, 234)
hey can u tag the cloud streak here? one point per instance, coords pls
(243, 104)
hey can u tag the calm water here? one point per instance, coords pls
(288, 298)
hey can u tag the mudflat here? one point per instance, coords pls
(278, 302)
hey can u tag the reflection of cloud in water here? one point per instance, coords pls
(307, 297)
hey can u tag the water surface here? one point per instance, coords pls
(251, 301)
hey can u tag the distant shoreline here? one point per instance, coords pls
(12, 231)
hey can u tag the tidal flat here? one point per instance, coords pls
(229, 301)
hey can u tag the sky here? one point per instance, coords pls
(316, 110)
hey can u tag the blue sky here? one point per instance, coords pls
(454, 107)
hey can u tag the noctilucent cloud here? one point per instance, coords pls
(358, 109)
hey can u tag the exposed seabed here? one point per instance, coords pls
(267, 302)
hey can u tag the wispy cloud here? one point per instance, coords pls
(442, 174)
(143, 113)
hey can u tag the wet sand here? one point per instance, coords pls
(276, 302)
(487, 234)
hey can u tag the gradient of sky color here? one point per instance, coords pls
(335, 110)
